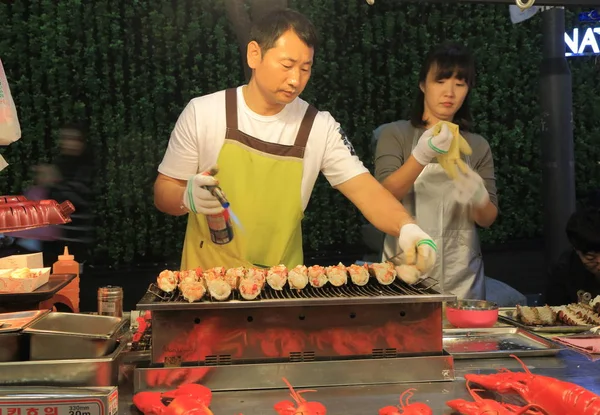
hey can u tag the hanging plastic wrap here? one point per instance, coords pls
(19, 214)
(10, 130)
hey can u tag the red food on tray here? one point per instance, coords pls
(19, 214)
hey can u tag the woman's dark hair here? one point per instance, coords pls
(269, 28)
(583, 230)
(448, 59)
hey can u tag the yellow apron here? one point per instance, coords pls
(262, 182)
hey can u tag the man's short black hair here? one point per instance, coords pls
(269, 28)
(583, 230)
(449, 59)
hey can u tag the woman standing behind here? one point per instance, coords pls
(74, 169)
(405, 164)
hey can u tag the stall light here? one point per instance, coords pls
(591, 16)
(588, 45)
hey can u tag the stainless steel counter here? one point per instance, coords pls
(362, 400)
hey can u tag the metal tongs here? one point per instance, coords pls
(592, 333)
(398, 259)
(584, 297)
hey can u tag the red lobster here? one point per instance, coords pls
(489, 406)
(417, 408)
(186, 398)
(143, 323)
(556, 397)
(304, 407)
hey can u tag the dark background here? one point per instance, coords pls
(129, 68)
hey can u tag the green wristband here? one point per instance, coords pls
(190, 194)
(434, 148)
(427, 242)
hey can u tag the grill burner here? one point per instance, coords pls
(312, 331)
(396, 292)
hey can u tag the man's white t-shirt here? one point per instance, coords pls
(199, 134)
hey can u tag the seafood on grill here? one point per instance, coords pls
(250, 287)
(188, 276)
(298, 277)
(277, 277)
(258, 274)
(407, 408)
(167, 281)
(336, 275)
(234, 275)
(248, 283)
(359, 274)
(408, 273)
(216, 271)
(317, 276)
(552, 395)
(385, 272)
(218, 288)
(576, 314)
(301, 406)
(192, 290)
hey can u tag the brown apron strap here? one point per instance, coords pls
(306, 126)
(231, 108)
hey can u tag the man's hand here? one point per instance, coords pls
(430, 145)
(418, 247)
(469, 189)
(200, 200)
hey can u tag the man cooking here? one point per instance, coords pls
(270, 146)
(578, 269)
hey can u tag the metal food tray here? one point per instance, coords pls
(67, 336)
(510, 316)
(102, 371)
(496, 342)
(14, 345)
(14, 322)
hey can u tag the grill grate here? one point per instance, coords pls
(155, 297)
(371, 289)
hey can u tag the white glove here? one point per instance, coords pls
(430, 146)
(408, 273)
(418, 247)
(469, 189)
(200, 200)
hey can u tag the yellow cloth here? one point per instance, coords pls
(264, 193)
(452, 161)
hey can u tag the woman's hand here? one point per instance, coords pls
(430, 145)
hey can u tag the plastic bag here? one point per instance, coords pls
(10, 130)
